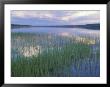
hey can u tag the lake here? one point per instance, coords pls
(63, 31)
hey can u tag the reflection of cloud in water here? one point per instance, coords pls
(85, 31)
(56, 30)
(77, 32)
(64, 34)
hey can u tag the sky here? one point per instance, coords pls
(54, 17)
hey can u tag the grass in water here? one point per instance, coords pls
(53, 62)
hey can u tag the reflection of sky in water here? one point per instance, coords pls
(88, 67)
(66, 31)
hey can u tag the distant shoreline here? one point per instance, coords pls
(86, 26)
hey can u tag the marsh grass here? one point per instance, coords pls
(58, 54)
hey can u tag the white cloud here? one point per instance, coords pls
(77, 14)
(32, 14)
(72, 17)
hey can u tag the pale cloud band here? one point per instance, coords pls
(72, 17)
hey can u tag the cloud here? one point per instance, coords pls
(77, 14)
(32, 14)
(68, 17)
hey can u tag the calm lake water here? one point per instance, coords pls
(63, 31)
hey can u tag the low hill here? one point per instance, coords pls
(86, 26)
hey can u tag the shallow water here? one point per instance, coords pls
(62, 31)
(89, 67)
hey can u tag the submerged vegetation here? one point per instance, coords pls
(42, 55)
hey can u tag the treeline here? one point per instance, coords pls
(19, 26)
(86, 26)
